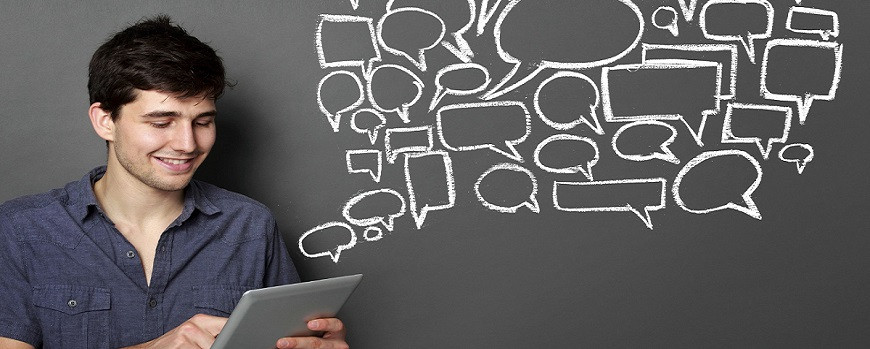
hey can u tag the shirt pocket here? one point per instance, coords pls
(218, 300)
(73, 316)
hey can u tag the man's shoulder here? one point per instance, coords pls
(31, 202)
(227, 200)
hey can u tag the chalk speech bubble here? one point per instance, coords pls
(725, 54)
(418, 170)
(800, 161)
(755, 132)
(485, 125)
(531, 203)
(662, 151)
(665, 17)
(485, 14)
(333, 84)
(332, 38)
(745, 36)
(325, 230)
(554, 89)
(666, 89)
(460, 70)
(396, 79)
(359, 125)
(407, 140)
(404, 20)
(638, 196)
(745, 204)
(585, 166)
(790, 75)
(806, 13)
(571, 39)
(356, 163)
(373, 233)
(385, 218)
(457, 26)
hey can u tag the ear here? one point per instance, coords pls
(102, 121)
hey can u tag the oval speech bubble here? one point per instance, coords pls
(585, 166)
(331, 88)
(531, 203)
(571, 39)
(443, 81)
(325, 229)
(385, 219)
(663, 152)
(386, 77)
(401, 21)
(457, 21)
(555, 88)
(368, 128)
(745, 205)
(800, 161)
(665, 17)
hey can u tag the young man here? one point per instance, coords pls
(136, 253)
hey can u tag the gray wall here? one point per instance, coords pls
(472, 276)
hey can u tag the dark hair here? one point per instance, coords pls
(153, 54)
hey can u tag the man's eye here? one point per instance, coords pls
(204, 123)
(160, 124)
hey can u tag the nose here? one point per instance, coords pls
(184, 139)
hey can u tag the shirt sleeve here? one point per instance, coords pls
(17, 318)
(280, 269)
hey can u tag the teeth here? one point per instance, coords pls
(174, 162)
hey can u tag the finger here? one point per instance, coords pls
(326, 325)
(211, 324)
(311, 343)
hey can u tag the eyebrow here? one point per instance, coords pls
(169, 113)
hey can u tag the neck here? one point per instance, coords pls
(127, 200)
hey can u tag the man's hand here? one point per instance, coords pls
(333, 337)
(197, 332)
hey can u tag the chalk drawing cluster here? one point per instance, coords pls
(708, 62)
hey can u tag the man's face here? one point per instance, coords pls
(160, 140)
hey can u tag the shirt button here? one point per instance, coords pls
(131, 254)
(72, 303)
(152, 302)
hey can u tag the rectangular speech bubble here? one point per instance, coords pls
(639, 196)
(407, 140)
(498, 126)
(725, 54)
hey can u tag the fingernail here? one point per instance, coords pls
(313, 324)
(283, 343)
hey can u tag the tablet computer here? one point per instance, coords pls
(264, 315)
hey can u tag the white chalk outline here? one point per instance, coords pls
(373, 133)
(595, 125)
(532, 203)
(401, 110)
(544, 64)
(510, 144)
(335, 119)
(672, 27)
(729, 137)
(666, 153)
(376, 175)
(379, 233)
(803, 102)
(462, 49)
(751, 209)
(441, 91)
(318, 43)
(749, 41)
(354, 4)
(825, 34)
(392, 153)
(645, 216)
(420, 60)
(388, 221)
(338, 249)
(486, 13)
(730, 48)
(800, 163)
(688, 9)
(662, 64)
(587, 171)
(420, 218)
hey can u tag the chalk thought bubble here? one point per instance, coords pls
(566, 86)
(339, 92)
(529, 201)
(337, 234)
(573, 27)
(718, 169)
(660, 151)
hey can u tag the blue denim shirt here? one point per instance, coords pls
(69, 279)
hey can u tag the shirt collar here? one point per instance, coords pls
(83, 202)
